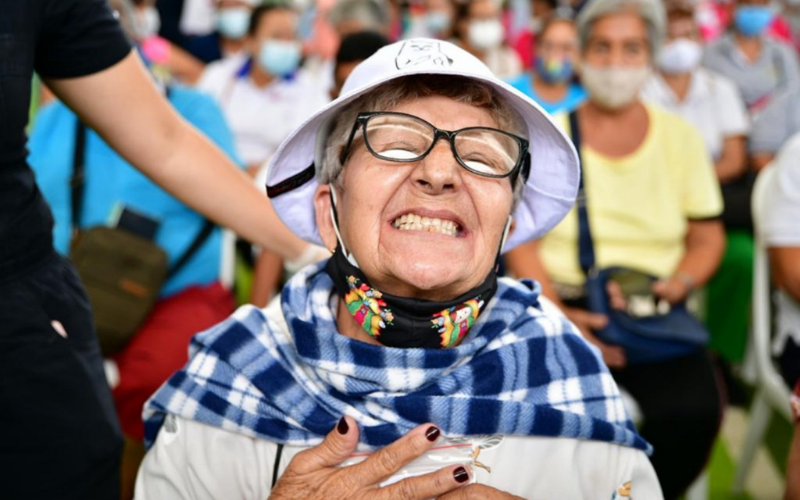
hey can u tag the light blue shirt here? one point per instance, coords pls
(111, 182)
(574, 98)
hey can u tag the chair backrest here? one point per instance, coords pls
(767, 376)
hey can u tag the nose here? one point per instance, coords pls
(439, 172)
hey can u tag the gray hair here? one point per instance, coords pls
(372, 14)
(402, 90)
(651, 12)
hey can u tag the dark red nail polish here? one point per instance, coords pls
(432, 434)
(461, 475)
(342, 426)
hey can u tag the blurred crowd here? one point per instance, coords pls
(679, 110)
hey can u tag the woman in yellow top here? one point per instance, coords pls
(653, 205)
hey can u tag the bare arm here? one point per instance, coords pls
(184, 65)
(732, 161)
(705, 245)
(125, 108)
(785, 269)
(524, 262)
(761, 160)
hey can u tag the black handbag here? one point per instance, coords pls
(646, 339)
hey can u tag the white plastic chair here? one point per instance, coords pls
(771, 391)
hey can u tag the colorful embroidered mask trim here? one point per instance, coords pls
(403, 322)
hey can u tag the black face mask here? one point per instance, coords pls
(403, 322)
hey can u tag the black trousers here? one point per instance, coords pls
(59, 435)
(682, 405)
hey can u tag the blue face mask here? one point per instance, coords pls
(279, 57)
(752, 20)
(233, 22)
(437, 22)
(554, 70)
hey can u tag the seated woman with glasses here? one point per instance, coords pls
(406, 337)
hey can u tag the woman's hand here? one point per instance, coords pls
(674, 289)
(314, 473)
(478, 492)
(587, 322)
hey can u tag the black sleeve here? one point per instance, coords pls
(78, 38)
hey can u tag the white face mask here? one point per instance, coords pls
(680, 56)
(613, 88)
(146, 23)
(485, 34)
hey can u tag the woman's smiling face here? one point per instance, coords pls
(428, 229)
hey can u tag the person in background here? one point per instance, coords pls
(707, 100)
(436, 21)
(60, 435)
(192, 299)
(711, 103)
(230, 20)
(480, 32)
(233, 21)
(332, 25)
(653, 204)
(773, 127)
(352, 51)
(551, 83)
(523, 39)
(352, 16)
(265, 95)
(777, 225)
(760, 67)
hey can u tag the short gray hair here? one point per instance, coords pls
(405, 89)
(651, 12)
(372, 14)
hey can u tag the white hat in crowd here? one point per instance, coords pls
(551, 186)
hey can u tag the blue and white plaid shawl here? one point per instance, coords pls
(289, 379)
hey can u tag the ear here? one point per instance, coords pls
(322, 209)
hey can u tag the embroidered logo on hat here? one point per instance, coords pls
(414, 52)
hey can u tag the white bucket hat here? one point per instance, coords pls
(551, 186)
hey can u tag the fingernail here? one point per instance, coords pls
(432, 434)
(342, 426)
(461, 475)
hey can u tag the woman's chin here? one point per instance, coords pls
(431, 280)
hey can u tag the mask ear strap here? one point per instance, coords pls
(335, 220)
(502, 243)
(505, 235)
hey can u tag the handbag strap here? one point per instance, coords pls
(78, 183)
(78, 178)
(199, 240)
(585, 244)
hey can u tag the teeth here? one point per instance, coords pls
(413, 222)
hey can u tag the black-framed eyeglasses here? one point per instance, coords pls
(404, 138)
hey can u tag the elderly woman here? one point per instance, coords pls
(652, 203)
(762, 68)
(551, 82)
(480, 31)
(712, 103)
(411, 176)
